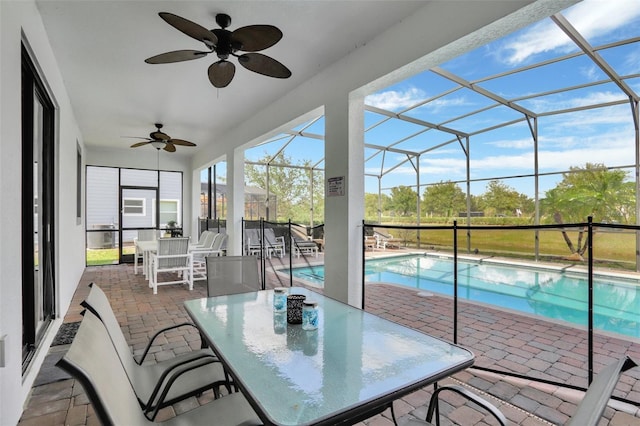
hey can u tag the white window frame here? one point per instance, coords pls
(178, 210)
(124, 207)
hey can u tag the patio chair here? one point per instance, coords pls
(172, 256)
(384, 241)
(369, 242)
(150, 379)
(302, 247)
(205, 239)
(274, 245)
(232, 275)
(143, 235)
(93, 361)
(252, 242)
(588, 412)
(200, 255)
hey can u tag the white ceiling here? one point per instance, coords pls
(100, 47)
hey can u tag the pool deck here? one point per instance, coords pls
(501, 340)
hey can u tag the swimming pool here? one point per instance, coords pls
(555, 294)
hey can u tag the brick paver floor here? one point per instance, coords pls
(501, 341)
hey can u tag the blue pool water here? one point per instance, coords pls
(549, 293)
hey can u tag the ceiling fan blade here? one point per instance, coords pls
(256, 37)
(190, 28)
(176, 56)
(169, 147)
(221, 73)
(159, 136)
(182, 142)
(137, 144)
(263, 64)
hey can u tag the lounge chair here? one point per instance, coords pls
(384, 241)
(252, 242)
(302, 247)
(272, 244)
(150, 379)
(588, 412)
(94, 362)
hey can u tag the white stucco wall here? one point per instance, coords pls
(21, 21)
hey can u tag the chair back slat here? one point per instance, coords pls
(232, 275)
(173, 246)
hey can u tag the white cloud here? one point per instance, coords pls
(394, 100)
(591, 18)
(526, 143)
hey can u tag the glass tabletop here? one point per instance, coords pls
(354, 362)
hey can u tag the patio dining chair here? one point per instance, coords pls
(143, 235)
(150, 379)
(588, 412)
(203, 240)
(232, 275)
(93, 361)
(200, 255)
(174, 257)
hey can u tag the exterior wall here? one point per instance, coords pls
(19, 20)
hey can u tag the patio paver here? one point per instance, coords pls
(498, 339)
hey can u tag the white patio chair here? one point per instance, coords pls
(202, 241)
(232, 275)
(200, 255)
(172, 256)
(273, 245)
(303, 247)
(252, 242)
(143, 235)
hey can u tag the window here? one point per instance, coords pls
(133, 207)
(169, 212)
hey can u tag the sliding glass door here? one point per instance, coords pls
(38, 203)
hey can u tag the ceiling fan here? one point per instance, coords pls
(160, 140)
(225, 43)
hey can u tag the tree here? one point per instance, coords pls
(444, 199)
(594, 191)
(500, 198)
(404, 200)
(372, 204)
(290, 183)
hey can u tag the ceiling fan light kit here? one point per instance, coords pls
(225, 43)
(160, 140)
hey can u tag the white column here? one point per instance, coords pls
(235, 200)
(344, 211)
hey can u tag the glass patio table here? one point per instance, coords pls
(352, 367)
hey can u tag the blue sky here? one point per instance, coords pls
(602, 135)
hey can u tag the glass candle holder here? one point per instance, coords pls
(309, 315)
(294, 308)
(279, 299)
